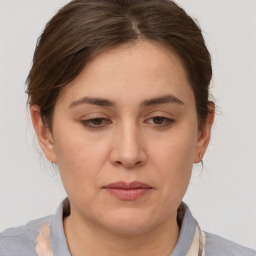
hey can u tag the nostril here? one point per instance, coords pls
(139, 163)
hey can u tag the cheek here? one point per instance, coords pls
(80, 160)
(174, 161)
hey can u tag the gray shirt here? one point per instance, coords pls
(21, 241)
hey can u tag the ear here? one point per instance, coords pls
(43, 133)
(205, 134)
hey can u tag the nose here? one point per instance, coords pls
(127, 148)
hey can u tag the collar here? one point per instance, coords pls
(187, 244)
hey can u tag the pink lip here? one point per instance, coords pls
(128, 191)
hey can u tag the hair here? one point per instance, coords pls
(83, 29)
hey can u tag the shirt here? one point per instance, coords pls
(22, 241)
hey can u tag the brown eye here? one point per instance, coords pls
(160, 121)
(95, 123)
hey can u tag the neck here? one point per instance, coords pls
(85, 238)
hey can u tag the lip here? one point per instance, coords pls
(128, 191)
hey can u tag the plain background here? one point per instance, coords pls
(222, 196)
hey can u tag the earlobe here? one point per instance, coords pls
(43, 133)
(205, 135)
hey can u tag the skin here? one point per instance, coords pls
(130, 143)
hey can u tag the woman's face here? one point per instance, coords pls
(125, 136)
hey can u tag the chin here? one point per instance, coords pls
(129, 222)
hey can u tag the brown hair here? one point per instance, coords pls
(84, 28)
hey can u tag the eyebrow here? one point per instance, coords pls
(162, 100)
(93, 101)
(107, 103)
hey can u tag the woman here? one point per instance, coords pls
(118, 94)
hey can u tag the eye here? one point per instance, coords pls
(95, 123)
(160, 121)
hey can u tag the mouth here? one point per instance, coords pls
(128, 191)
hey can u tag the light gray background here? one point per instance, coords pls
(222, 198)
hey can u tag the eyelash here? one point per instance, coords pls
(104, 122)
(89, 123)
(167, 121)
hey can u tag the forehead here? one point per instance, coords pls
(131, 72)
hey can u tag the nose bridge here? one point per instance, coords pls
(128, 150)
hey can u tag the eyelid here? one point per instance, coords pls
(94, 115)
(159, 113)
(88, 122)
(168, 119)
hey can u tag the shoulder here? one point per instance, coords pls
(21, 241)
(216, 245)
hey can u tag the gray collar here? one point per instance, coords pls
(184, 217)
